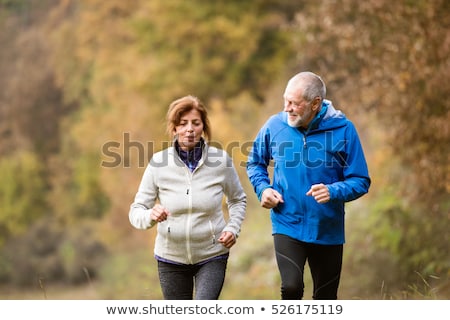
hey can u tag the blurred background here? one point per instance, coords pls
(85, 86)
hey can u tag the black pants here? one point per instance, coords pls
(325, 263)
(178, 281)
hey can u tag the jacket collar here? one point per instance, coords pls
(191, 157)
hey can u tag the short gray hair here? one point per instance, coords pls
(311, 84)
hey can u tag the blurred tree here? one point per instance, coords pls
(198, 45)
(32, 109)
(22, 193)
(49, 252)
(31, 104)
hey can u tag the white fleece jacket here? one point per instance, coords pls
(194, 200)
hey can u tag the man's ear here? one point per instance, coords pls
(317, 102)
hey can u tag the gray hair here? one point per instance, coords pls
(311, 84)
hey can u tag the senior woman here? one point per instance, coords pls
(181, 192)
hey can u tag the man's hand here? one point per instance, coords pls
(320, 193)
(271, 198)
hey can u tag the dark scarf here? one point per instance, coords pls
(191, 157)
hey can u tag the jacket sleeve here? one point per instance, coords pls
(258, 162)
(140, 209)
(356, 180)
(236, 198)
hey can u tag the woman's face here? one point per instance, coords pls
(189, 130)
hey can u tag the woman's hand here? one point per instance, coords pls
(159, 213)
(227, 239)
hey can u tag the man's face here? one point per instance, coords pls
(300, 112)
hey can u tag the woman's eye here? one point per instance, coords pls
(195, 124)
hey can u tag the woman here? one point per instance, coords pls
(182, 191)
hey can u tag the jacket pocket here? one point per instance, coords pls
(167, 239)
(213, 234)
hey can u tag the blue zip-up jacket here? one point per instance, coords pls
(328, 152)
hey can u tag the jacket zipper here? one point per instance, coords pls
(189, 217)
(305, 216)
(189, 175)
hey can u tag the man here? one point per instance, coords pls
(319, 165)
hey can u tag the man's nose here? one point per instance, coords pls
(287, 106)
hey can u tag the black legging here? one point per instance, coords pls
(325, 263)
(178, 281)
